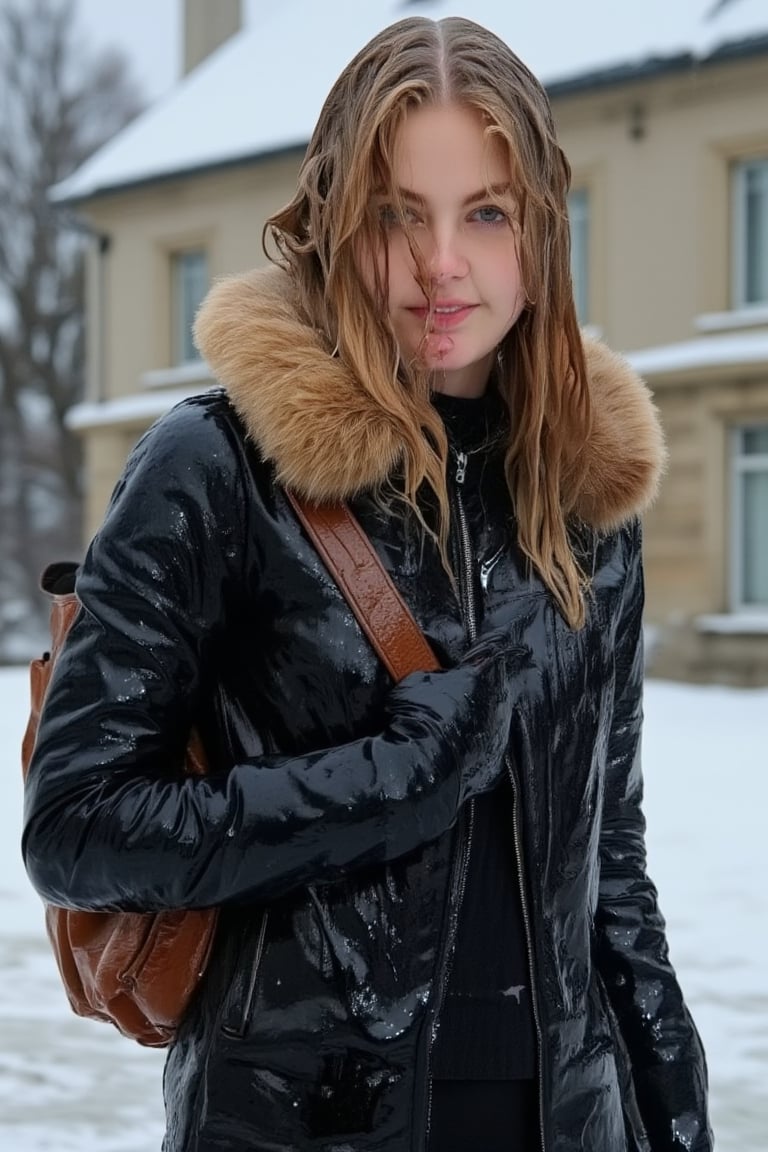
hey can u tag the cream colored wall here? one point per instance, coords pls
(688, 532)
(129, 314)
(660, 257)
(660, 222)
(223, 211)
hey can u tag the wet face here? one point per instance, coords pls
(444, 167)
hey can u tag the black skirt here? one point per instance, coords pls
(483, 1116)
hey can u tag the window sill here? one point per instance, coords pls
(754, 316)
(193, 372)
(134, 412)
(734, 624)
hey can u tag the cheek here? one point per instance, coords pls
(510, 280)
(504, 285)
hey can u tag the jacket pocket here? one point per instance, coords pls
(239, 1000)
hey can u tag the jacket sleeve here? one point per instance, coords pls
(109, 825)
(665, 1053)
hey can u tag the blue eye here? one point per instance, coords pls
(490, 215)
(389, 216)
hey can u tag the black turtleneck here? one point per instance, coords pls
(486, 1023)
(471, 422)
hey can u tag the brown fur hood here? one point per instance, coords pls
(329, 440)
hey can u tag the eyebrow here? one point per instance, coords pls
(473, 198)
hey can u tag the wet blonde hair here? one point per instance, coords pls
(330, 231)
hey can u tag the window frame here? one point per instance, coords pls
(181, 340)
(584, 194)
(741, 464)
(740, 169)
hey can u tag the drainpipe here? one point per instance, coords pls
(104, 242)
(95, 305)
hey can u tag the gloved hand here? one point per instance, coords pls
(461, 716)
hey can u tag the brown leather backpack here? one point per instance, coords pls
(139, 971)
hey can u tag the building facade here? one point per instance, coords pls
(669, 215)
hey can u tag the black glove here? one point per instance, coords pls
(462, 716)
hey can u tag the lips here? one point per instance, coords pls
(446, 314)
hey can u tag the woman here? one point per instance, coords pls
(437, 928)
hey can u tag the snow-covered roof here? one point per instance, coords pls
(261, 91)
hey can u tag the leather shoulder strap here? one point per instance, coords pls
(380, 610)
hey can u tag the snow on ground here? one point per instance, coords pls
(70, 1085)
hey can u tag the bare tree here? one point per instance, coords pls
(57, 105)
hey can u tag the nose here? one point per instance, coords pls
(446, 259)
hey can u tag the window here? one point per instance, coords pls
(578, 212)
(750, 518)
(750, 219)
(189, 284)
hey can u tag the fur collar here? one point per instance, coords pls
(330, 441)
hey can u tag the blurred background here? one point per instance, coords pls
(142, 145)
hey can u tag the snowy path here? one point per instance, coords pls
(69, 1085)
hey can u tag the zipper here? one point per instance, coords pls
(250, 996)
(458, 887)
(472, 621)
(461, 467)
(470, 612)
(459, 878)
(528, 945)
(465, 548)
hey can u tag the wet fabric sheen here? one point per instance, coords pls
(332, 843)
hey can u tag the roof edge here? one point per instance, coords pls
(64, 201)
(738, 49)
(600, 79)
(618, 74)
(655, 66)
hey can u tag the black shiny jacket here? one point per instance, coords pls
(334, 839)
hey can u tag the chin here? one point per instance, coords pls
(453, 362)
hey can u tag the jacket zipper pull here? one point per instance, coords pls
(461, 467)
